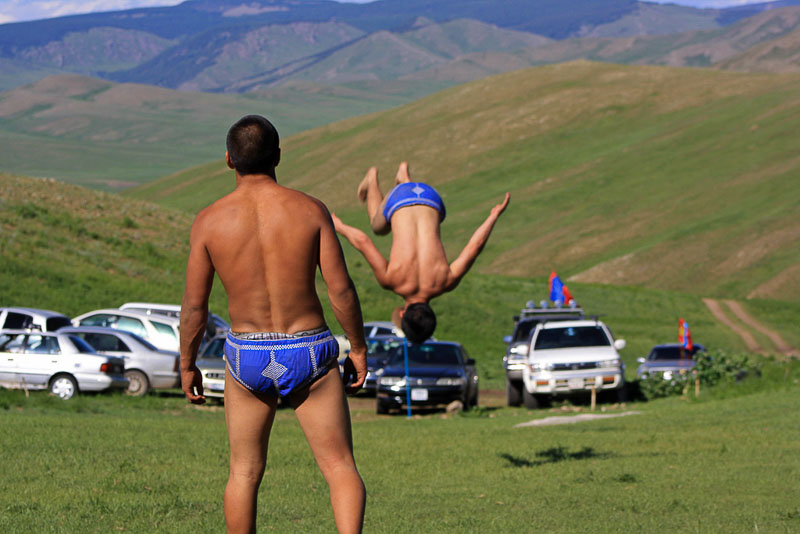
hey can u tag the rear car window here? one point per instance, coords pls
(38, 344)
(18, 321)
(54, 323)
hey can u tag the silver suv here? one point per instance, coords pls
(517, 344)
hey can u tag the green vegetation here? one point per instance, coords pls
(677, 179)
(724, 462)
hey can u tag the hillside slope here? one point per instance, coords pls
(678, 179)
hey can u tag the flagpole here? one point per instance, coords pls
(408, 379)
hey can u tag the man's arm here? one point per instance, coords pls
(194, 312)
(464, 261)
(345, 303)
(367, 248)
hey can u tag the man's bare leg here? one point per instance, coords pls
(370, 191)
(249, 420)
(325, 419)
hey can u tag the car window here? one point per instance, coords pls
(571, 336)
(81, 345)
(428, 354)
(12, 342)
(215, 348)
(669, 353)
(101, 319)
(383, 331)
(523, 331)
(104, 342)
(18, 321)
(54, 323)
(164, 329)
(129, 324)
(39, 344)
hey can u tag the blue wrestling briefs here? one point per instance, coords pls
(413, 194)
(277, 363)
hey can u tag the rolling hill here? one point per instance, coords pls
(112, 136)
(675, 179)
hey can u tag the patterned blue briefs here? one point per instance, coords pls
(413, 194)
(279, 363)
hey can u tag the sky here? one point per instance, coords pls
(20, 10)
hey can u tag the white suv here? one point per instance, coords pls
(571, 357)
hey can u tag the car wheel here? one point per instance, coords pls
(513, 393)
(63, 386)
(138, 386)
(381, 408)
(532, 402)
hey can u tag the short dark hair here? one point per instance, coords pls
(253, 145)
(418, 322)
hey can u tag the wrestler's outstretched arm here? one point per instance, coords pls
(367, 248)
(464, 261)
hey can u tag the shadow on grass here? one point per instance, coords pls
(554, 455)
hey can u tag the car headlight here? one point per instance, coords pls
(610, 363)
(392, 381)
(519, 349)
(450, 381)
(541, 366)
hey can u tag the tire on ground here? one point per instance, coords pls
(138, 385)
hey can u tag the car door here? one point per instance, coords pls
(40, 359)
(11, 346)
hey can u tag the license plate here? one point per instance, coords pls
(575, 383)
(419, 394)
(216, 387)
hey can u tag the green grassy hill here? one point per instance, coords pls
(674, 179)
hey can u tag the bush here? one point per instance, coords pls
(712, 368)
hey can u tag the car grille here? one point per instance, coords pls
(215, 375)
(578, 366)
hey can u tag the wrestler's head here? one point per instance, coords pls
(253, 146)
(418, 322)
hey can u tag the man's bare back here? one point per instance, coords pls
(266, 242)
(418, 269)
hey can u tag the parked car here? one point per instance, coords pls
(32, 319)
(518, 343)
(211, 362)
(381, 328)
(570, 358)
(60, 362)
(216, 324)
(146, 367)
(378, 353)
(665, 361)
(160, 330)
(439, 372)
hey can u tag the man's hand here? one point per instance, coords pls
(191, 382)
(355, 371)
(500, 208)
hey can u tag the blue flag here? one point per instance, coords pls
(556, 288)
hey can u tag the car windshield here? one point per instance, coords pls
(670, 353)
(571, 336)
(380, 347)
(427, 354)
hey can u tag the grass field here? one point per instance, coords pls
(725, 462)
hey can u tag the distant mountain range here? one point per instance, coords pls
(241, 46)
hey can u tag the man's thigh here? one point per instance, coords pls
(249, 418)
(325, 419)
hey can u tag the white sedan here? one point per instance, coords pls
(62, 363)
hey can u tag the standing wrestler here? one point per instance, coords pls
(265, 242)
(417, 269)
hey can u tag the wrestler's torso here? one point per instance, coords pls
(263, 240)
(418, 266)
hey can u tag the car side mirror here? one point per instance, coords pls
(470, 361)
(506, 339)
(640, 360)
(619, 344)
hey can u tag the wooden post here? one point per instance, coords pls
(696, 387)
(594, 397)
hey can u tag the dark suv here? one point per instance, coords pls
(516, 356)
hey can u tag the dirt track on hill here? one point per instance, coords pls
(749, 340)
